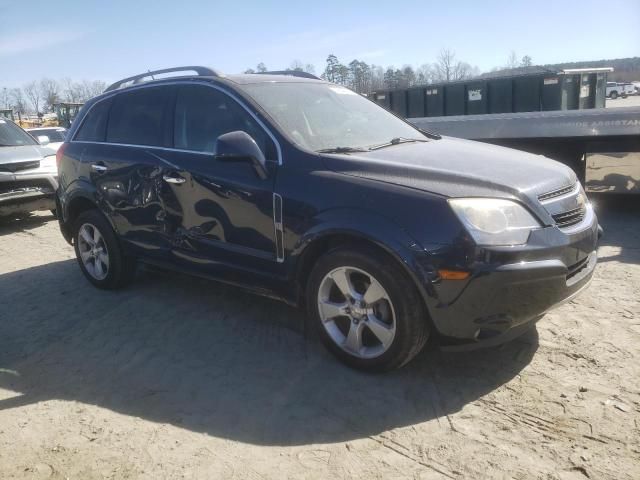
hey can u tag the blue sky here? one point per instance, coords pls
(111, 39)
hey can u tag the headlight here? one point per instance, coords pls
(494, 221)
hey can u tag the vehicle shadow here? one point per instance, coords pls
(210, 358)
(23, 222)
(618, 215)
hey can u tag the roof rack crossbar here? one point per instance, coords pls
(201, 71)
(293, 73)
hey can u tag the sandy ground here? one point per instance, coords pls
(183, 378)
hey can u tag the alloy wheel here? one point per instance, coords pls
(356, 311)
(93, 251)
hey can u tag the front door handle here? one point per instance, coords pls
(96, 167)
(173, 179)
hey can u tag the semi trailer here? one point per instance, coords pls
(602, 145)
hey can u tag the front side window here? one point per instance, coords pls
(137, 117)
(203, 114)
(322, 116)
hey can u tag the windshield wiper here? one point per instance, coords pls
(395, 141)
(430, 134)
(341, 150)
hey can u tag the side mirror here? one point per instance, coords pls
(43, 139)
(240, 146)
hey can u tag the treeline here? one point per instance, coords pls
(365, 78)
(38, 97)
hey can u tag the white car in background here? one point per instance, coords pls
(52, 137)
(615, 90)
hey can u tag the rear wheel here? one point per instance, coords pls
(366, 309)
(614, 95)
(99, 253)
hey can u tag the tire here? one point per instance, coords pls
(401, 311)
(102, 262)
(54, 212)
(614, 95)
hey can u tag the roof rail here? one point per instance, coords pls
(293, 73)
(201, 71)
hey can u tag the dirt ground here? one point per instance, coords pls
(183, 378)
(630, 101)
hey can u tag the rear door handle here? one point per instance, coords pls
(173, 179)
(96, 167)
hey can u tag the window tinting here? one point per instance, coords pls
(137, 117)
(94, 126)
(203, 114)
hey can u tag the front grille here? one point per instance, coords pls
(556, 193)
(567, 205)
(25, 186)
(577, 267)
(571, 217)
(18, 166)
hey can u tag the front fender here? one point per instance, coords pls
(372, 227)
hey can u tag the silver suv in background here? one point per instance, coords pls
(28, 172)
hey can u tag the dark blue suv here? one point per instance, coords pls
(305, 191)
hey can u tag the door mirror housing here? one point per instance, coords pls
(240, 146)
(43, 140)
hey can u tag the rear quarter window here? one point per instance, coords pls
(94, 126)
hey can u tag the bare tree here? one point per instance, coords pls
(464, 71)
(425, 74)
(70, 90)
(50, 93)
(18, 101)
(296, 66)
(448, 69)
(261, 68)
(446, 65)
(309, 68)
(512, 61)
(5, 97)
(32, 92)
(526, 61)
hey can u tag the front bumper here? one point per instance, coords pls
(509, 289)
(27, 192)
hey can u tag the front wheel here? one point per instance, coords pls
(614, 95)
(367, 310)
(99, 253)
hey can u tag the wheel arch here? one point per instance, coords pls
(356, 229)
(78, 199)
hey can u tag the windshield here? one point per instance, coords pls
(13, 136)
(323, 116)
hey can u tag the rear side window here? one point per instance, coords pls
(202, 114)
(94, 126)
(137, 118)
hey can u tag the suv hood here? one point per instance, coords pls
(458, 168)
(24, 153)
